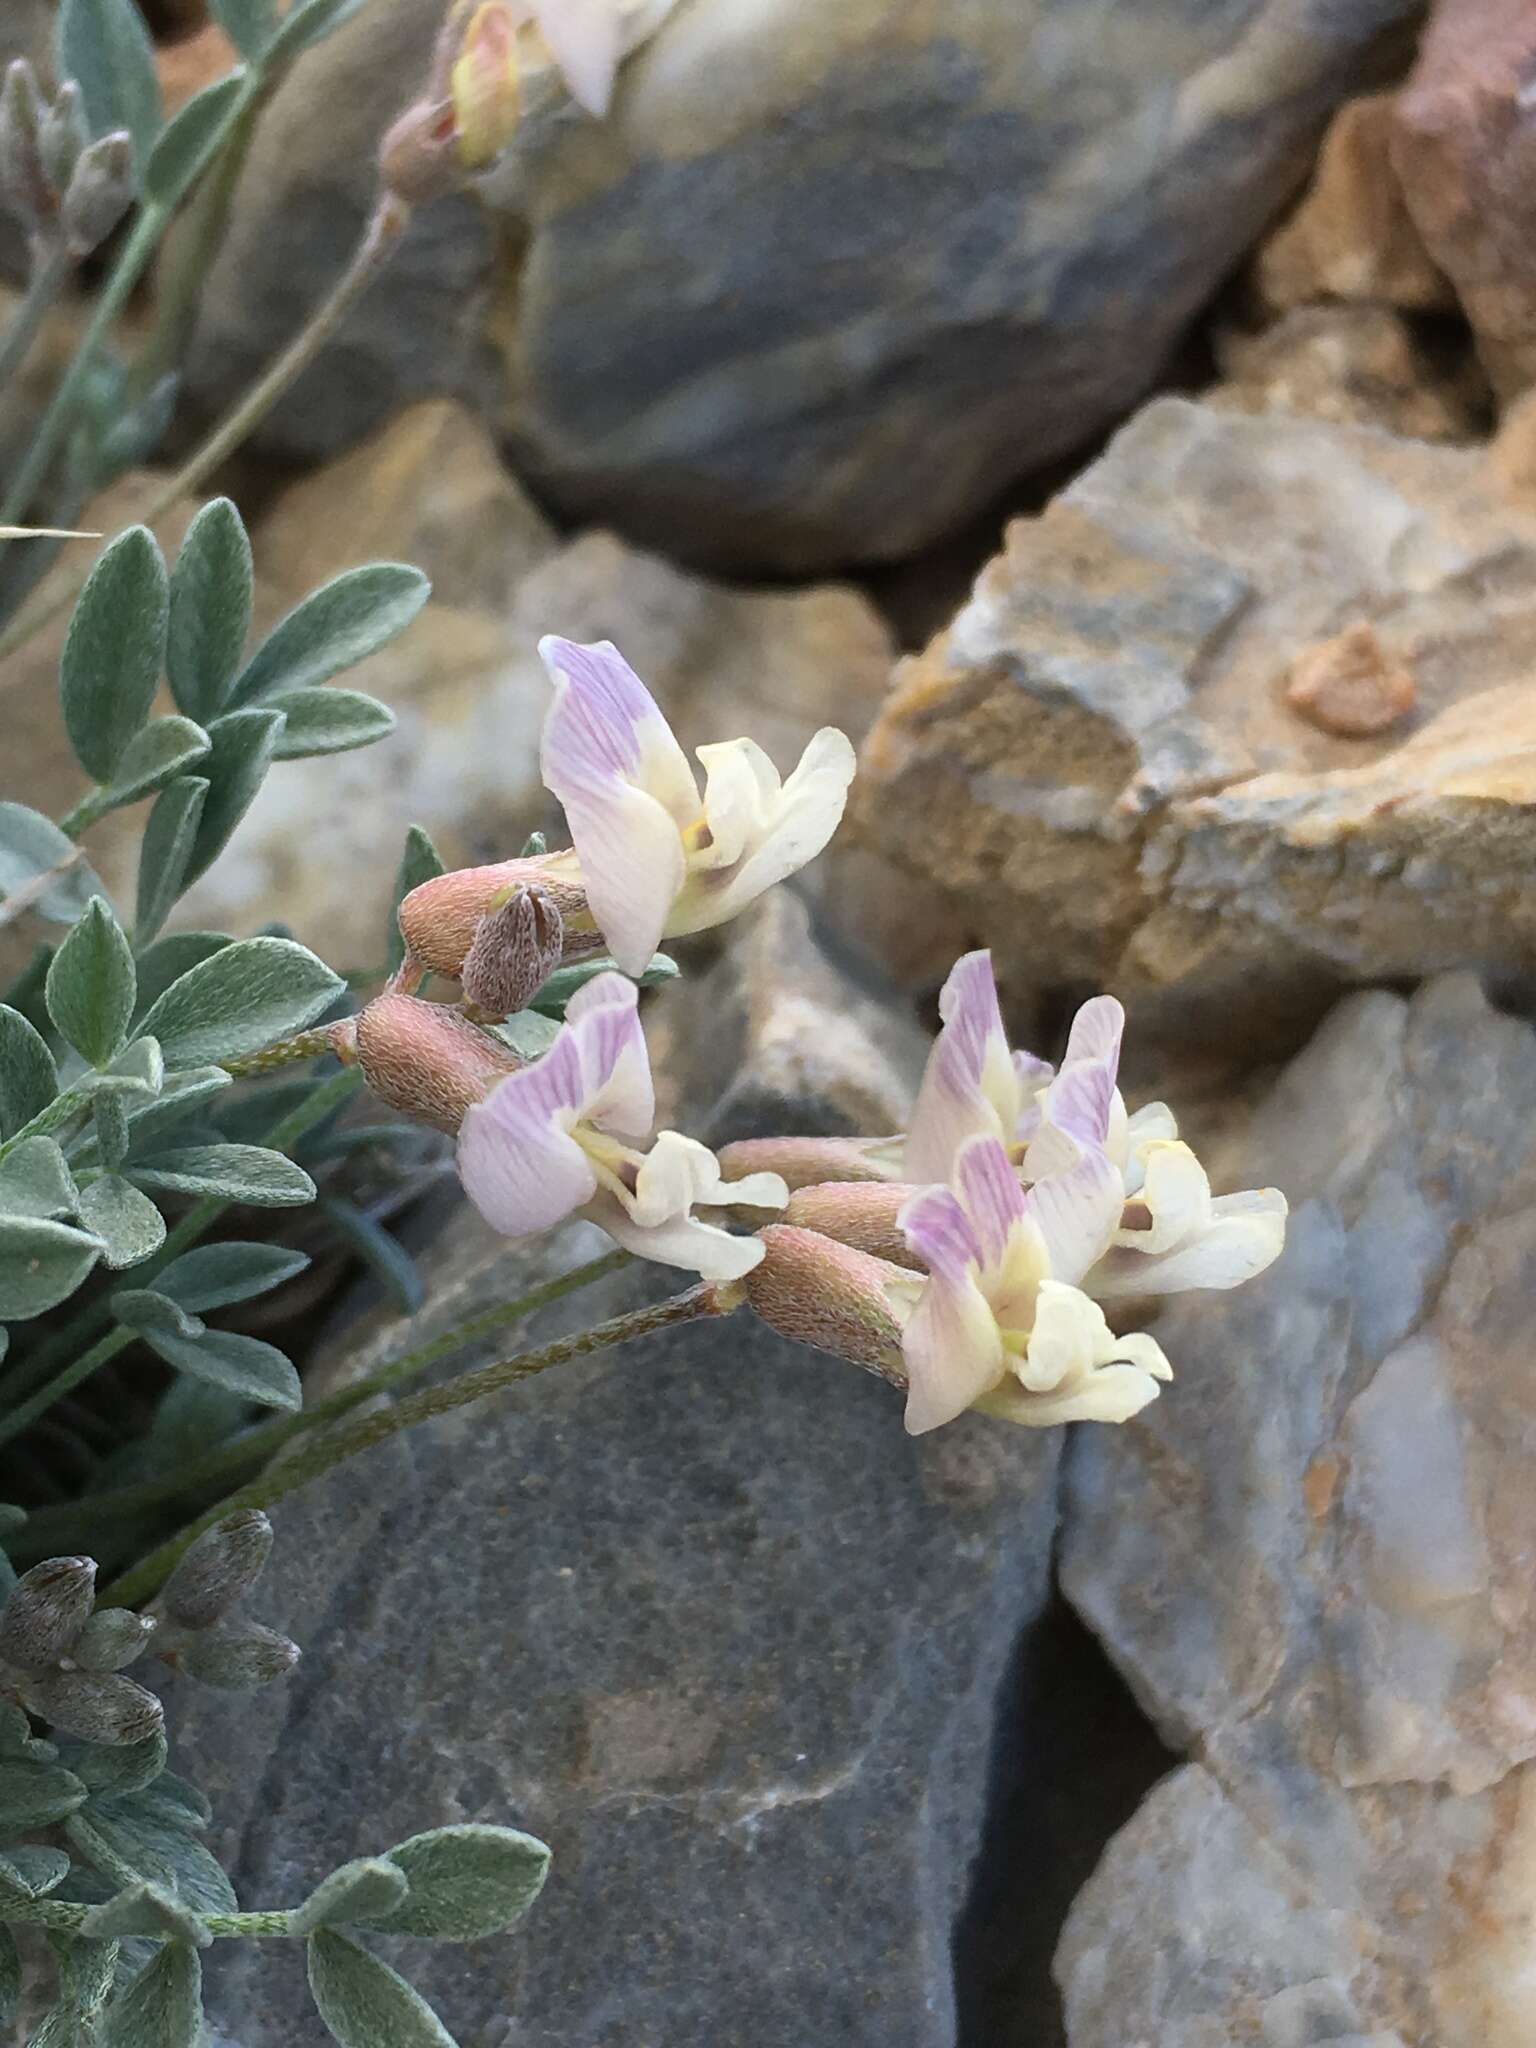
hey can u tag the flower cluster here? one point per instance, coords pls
(966, 1259)
(570, 1132)
(1026, 1196)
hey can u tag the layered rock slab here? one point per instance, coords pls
(1311, 1563)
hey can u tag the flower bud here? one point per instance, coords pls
(861, 1213)
(47, 1609)
(112, 1637)
(222, 1565)
(238, 1658)
(419, 156)
(63, 135)
(428, 1060)
(833, 1298)
(514, 952)
(24, 181)
(486, 85)
(804, 1162)
(97, 1706)
(439, 919)
(99, 194)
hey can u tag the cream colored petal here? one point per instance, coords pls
(1069, 1337)
(1245, 1234)
(742, 793)
(1177, 1196)
(678, 1240)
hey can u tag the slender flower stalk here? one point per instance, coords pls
(386, 223)
(147, 1577)
(52, 1529)
(47, 281)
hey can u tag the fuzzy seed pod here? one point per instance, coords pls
(806, 1162)
(112, 1637)
(96, 1706)
(99, 193)
(439, 919)
(47, 1609)
(515, 950)
(220, 1567)
(237, 1658)
(428, 1060)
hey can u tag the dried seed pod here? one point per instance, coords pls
(47, 1609)
(222, 1565)
(514, 951)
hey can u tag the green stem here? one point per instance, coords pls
(319, 1458)
(64, 1916)
(307, 1045)
(200, 1218)
(43, 289)
(63, 1383)
(93, 805)
(126, 273)
(52, 1528)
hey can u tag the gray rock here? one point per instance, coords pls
(698, 1614)
(830, 278)
(298, 214)
(1311, 1561)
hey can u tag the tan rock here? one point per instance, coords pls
(1350, 685)
(1464, 149)
(1099, 756)
(1310, 1559)
(1358, 365)
(1352, 236)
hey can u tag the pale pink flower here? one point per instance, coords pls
(1002, 1322)
(654, 856)
(571, 1134)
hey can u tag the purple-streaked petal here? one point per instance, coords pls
(1077, 1212)
(952, 1350)
(618, 1094)
(518, 1162)
(969, 1085)
(1096, 1032)
(989, 1190)
(939, 1232)
(628, 793)
(584, 40)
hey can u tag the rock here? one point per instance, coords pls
(840, 253)
(320, 845)
(1351, 686)
(298, 214)
(775, 1025)
(1311, 1562)
(1357, 365)
(701, 1616)
(1351, 235)
(1099, 756)
(1464, 150)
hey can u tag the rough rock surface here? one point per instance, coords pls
(826, 279)
(1099, 753)
(1351, 235)
(320, 845)
(297, 216)
(1464, 149)
(700, 1615)
(1312, 1563)
(1359, 365)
